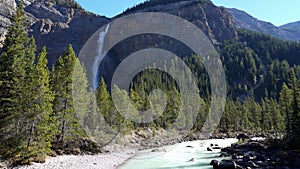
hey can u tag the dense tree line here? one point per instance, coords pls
(268, 115)
(264, 116)
(36, 106)
(263, 62)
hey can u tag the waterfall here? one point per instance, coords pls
(99, 57)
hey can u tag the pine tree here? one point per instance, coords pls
(43, 126)
(29, 92)
(63, 105)
(277, 118)
(137, 103)
(254, 110)
(285, 101)
(104, 101)
(123, 105)
(92, 121)
(263, 115)
(293, 83)
(80, 91)
(13, 66)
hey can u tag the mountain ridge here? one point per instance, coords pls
(214, 21)
(242, 19)
(293, 26)
(56, 23)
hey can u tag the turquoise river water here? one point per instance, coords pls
(187, 155)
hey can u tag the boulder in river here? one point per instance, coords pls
(209, 149)
(224, 164)
(227, 164)
(192, 160)
(215, 163)
(242, 137)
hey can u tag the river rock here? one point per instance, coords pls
(209, 149)
(242, 137)
(214, 163)
(192, 160)
(224, 164)
(157, 143)
(159, 150)
(227, 164)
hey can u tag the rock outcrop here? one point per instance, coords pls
(54, 25)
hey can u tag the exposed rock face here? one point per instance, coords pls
(6, 12)
(286, 32)
(54, 26)
(215, 22)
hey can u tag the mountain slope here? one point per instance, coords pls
(246, 21)
(55, 24)
(215, 22)
(295, 26)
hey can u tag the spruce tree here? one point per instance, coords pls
(13, 65)
(104, 101)
(123, 108)
(63, 106)
(29, 92)
(92, 121)
(42, 129)
(80, 91)
(285, 104)
(293, 83)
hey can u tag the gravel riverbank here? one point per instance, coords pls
(109, 160)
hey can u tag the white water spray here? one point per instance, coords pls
(99, 57)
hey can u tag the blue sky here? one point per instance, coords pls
(278, 12)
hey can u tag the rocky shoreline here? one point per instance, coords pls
(147, 139)
(257, 154)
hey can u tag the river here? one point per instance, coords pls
(187, 155)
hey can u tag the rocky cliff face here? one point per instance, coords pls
(286, 32)
(57, 25)
(6, 11)
(215, 22)
(53, 25)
